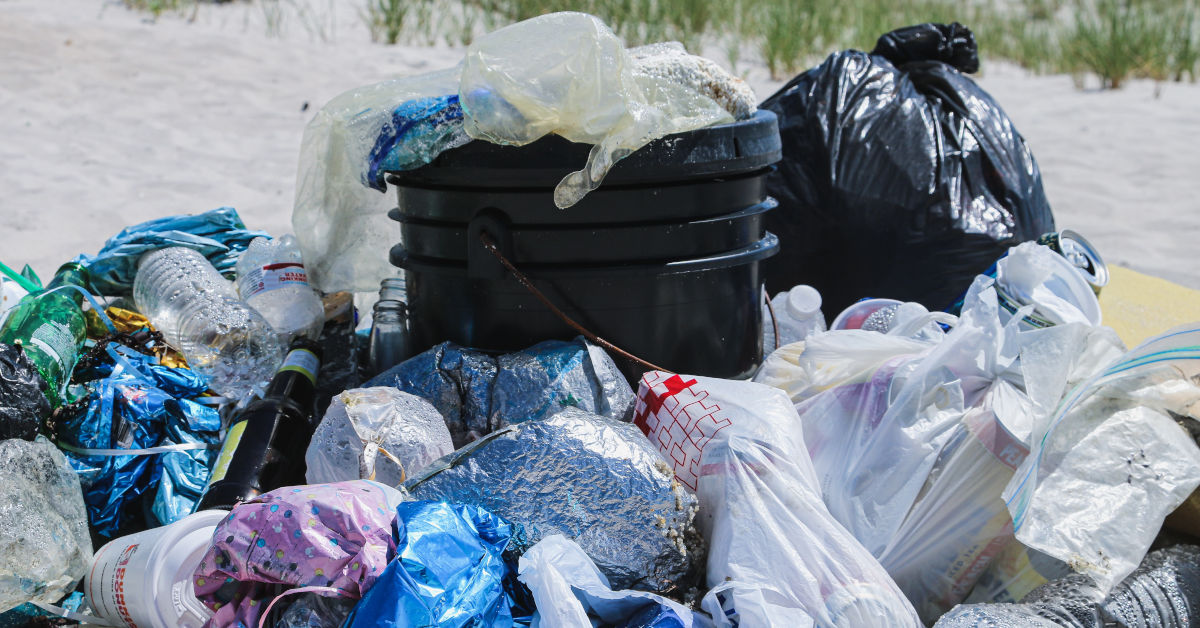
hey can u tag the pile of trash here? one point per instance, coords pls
(195, 431)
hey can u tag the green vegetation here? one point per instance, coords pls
(1114, 40)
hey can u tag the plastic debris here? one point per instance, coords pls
(447, 571)
(379, 434)
(335, 536)
(339, 221)
(570, 591)
(44, 544)
(592, 479)
(776, 555)
(1111, 463)
(1163, 592)
(316, 611)
(898, 180)
(477, 393)
(581, 83)
(23, 406)
(219, 235)
(135, 404)
(271, 279)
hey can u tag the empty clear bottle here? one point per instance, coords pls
(797, 313)
(389, 336)
(199, 313)
(272, 280)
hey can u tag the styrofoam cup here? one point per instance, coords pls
(144, 580)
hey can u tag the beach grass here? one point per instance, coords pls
(1112, 40)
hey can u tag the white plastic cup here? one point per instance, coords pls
(144, 580)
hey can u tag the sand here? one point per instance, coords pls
(109, 118)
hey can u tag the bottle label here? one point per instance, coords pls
(232, 438)
(55, 340)
(304, 362)
(272, 277)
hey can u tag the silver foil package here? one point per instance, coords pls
(478, 393)
(592, 479)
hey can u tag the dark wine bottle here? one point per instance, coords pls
(265, 444)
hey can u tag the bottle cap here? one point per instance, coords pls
(803, 301)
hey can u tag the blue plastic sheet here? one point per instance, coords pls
(136, 404)
(417, 133)
(219, 235)
(447, 572)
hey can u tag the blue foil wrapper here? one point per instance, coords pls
(594, 480)
(478, 393)
(448, 571)
(219, 235)
(131, 406)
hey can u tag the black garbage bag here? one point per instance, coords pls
(23, 406)
(900, 178)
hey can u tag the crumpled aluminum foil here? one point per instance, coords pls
(478, 394)
(592, 479)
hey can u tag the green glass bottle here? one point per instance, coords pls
(51, 329)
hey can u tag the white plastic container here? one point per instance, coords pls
(798, 315)
(144, 580)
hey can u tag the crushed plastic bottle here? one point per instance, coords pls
(199, 313)
(797, 314)
(44, 543)
(272, 280)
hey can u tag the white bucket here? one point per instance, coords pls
(144, 580)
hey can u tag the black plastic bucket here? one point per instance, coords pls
(661, 260)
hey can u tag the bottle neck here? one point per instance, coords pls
(70, 274)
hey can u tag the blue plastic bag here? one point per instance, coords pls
(219, 235)
(138, 404)
(418, 132)
(447, 572)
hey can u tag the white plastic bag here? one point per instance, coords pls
(1034, 274)
(567, 588)
(776, 556)
(1111, 462)
(580, 82)
(340, 223)
(379, 434)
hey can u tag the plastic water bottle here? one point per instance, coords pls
(797, 313)
(199, 313)
(272, 280)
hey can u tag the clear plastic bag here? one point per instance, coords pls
(776, 555)
(1111, 462)
(569, 590)
(379, 434)
(580, 82)
(340, 222)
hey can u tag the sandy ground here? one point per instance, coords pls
(108, 118)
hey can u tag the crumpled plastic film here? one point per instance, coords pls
(670, 61)
(45, 547)
(331, 535)
(23, 406)
(340, 223)
(448, 571)
(477, 393)
(579, 82)
(570, 591)
(1111, 463)
(137, 404)
(219, 235)
(379, 434)
(592, 479)
(777, 557)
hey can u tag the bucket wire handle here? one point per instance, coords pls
(771, 310)
(491, 247)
